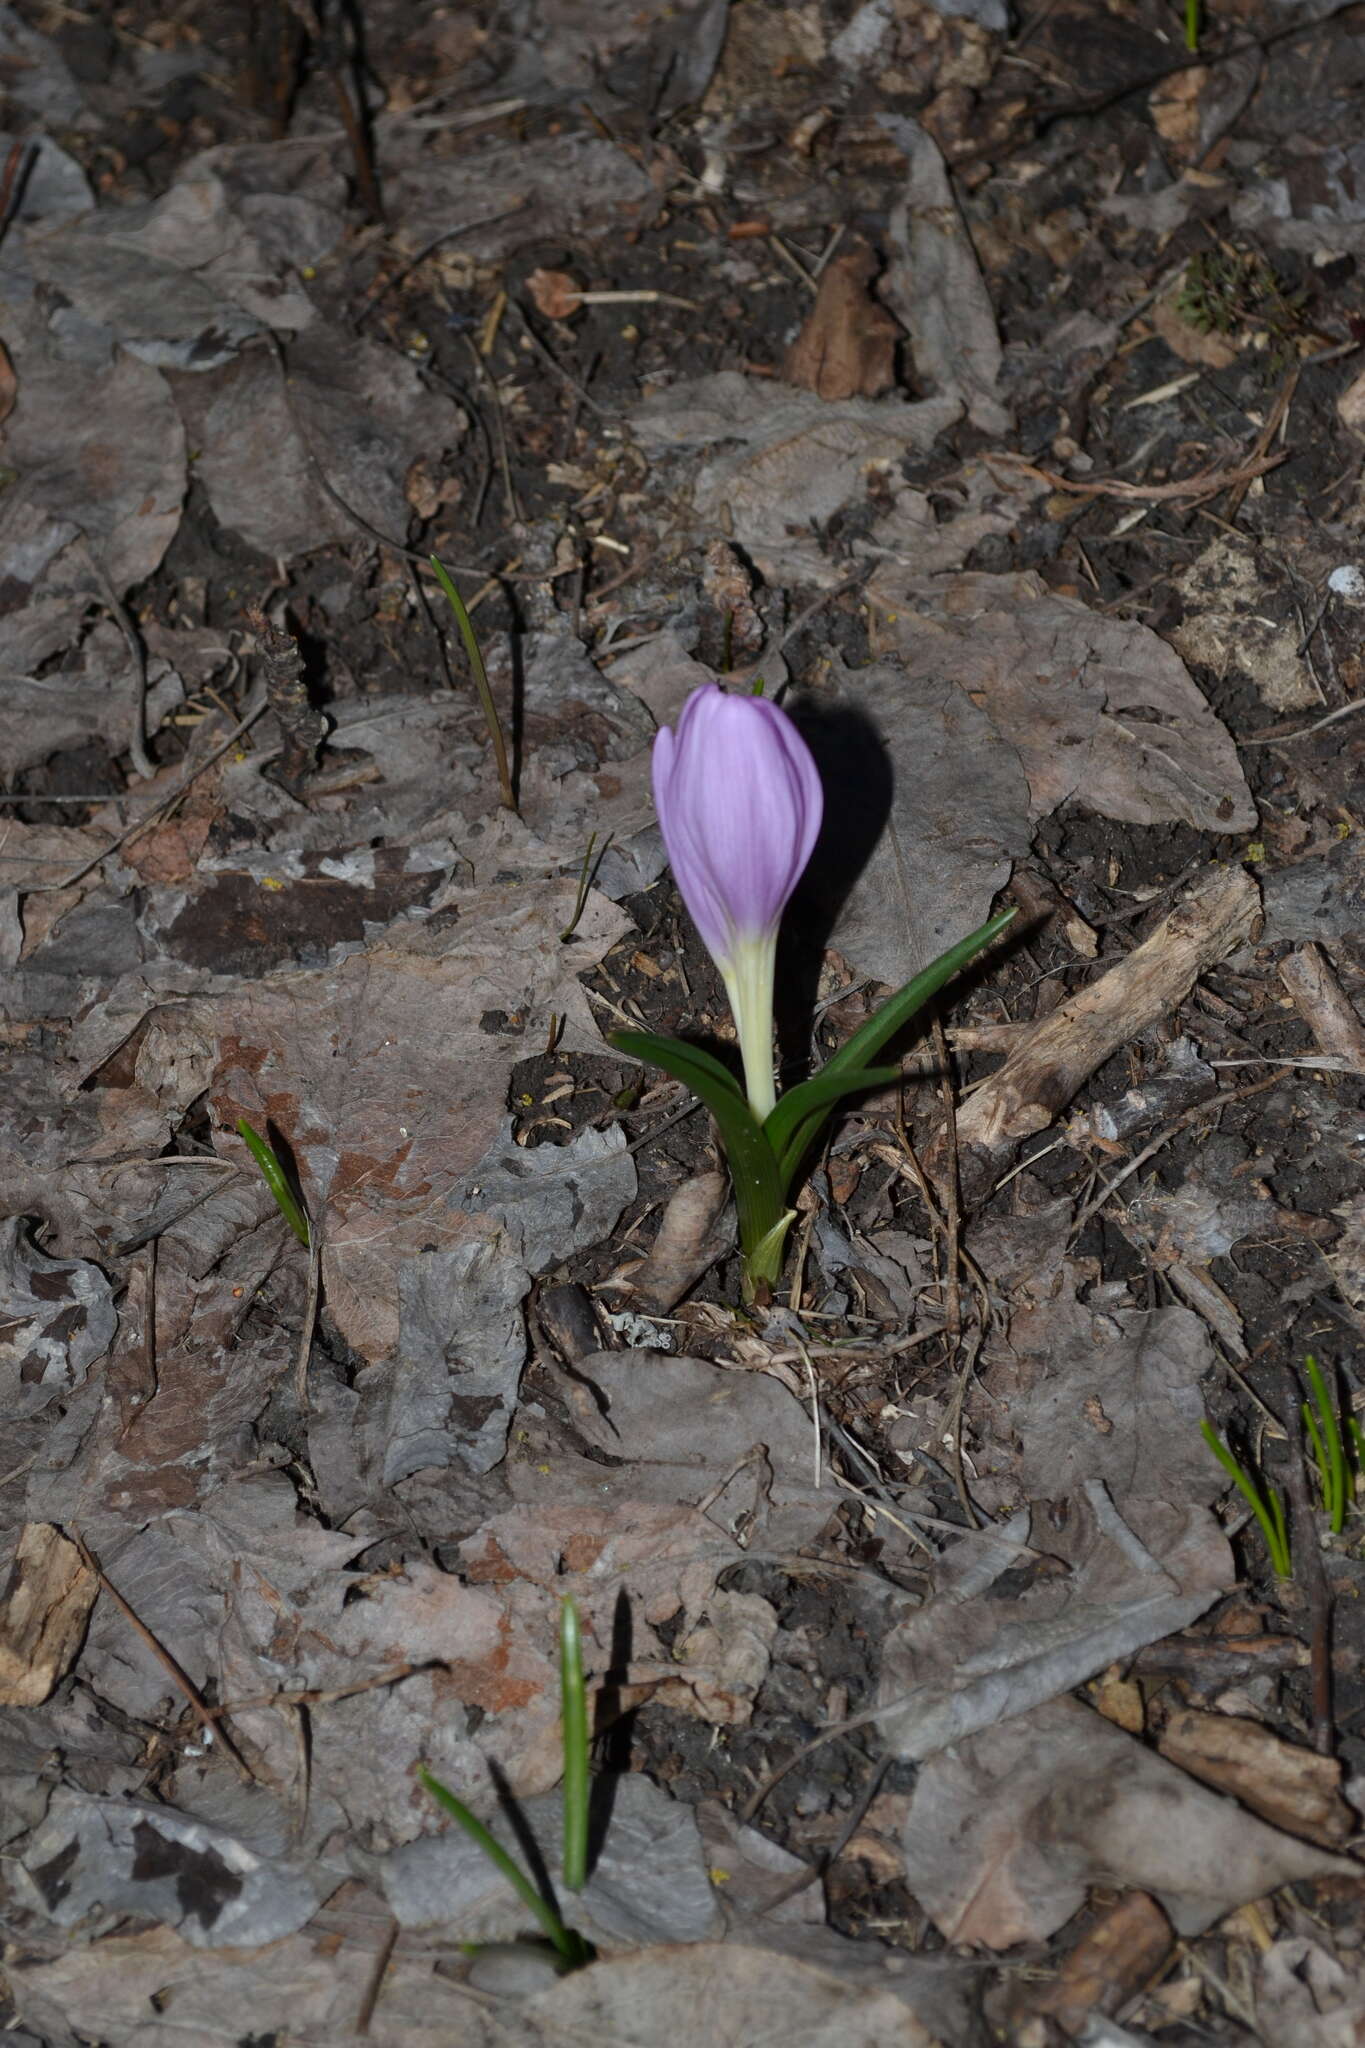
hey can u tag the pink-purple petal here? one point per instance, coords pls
(740, 805)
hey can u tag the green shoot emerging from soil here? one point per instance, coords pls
(1338, 1468)
(1267, 1507)
(1225, 289)
(276, 1179)
(573, 1951)
(1336, 1480)
(480, 675)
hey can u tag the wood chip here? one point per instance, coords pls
(1119, 1956)
(1295, 1789)
(1059, 1054)
(1322, 1003)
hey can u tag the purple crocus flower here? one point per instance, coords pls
(740, 804)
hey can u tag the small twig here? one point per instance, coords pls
(1274, 420)
(547, 355)
(316, 1696)
(376, 1981)
(481, 685)
(137, 729)
(644, 298)
(1206, 483)
(798, 269)
(953, 1421)
(831, 1856)
(338, 61)
(949, 1194)
(1278, 736)
(19, 162)
(490, 383)
(310, 1312)
(817, 605)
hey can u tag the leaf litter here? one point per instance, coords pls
(882, 1590)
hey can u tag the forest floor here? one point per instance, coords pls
(992, 386)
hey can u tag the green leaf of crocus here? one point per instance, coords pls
(869, 1040)
(672, 1055)
(753, 1163)
(790, 1127)
(275, 1178)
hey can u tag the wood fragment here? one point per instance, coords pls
(1044, 1072)
(1324, 1006)
(1113, 1961)
(1295, 1789)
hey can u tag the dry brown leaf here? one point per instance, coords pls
(847, 346)
(1009, 1829)
(689, 1240)
(1307, 1997)
(1099, 709)
(387, 1076)
(43, 1612)
(170, 852)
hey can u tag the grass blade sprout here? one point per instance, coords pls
(276, 1179)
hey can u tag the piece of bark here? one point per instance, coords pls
(1295, 1789)
(568, 1323)
(1044, 1072)
(1111, 1964)
(43, 1612)
(1324, 1006)
(847, 348)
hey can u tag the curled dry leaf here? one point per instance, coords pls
(556, 294)
(697, 1229)
(43, 1612)
(1111, 1963)
(847, 346)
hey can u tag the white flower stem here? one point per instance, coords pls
(748, 978)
